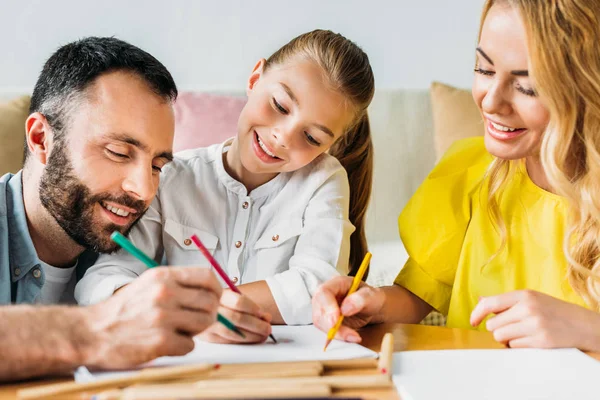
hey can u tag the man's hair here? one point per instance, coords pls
(75, 66)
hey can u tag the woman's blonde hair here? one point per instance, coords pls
(349, 72)
(563, 39)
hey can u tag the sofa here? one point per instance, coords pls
(411, 129)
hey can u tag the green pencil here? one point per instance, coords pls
(122, 241)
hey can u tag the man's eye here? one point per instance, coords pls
(117, 154)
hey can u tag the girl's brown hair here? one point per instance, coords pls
(349, 72)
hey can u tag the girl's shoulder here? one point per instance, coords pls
(323, 168)
(188, 164)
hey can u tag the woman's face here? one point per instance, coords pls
(514, 117)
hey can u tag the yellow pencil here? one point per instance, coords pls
(353, 288)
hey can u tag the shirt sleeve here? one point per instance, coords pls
(322, 249)
(434, 222)
(112, 271)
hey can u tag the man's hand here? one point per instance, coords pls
(156, 315)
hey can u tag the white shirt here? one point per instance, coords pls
(59, 284)
(293, 231)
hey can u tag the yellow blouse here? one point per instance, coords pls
(450, 238)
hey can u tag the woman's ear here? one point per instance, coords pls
(256, 74)
(38, 136)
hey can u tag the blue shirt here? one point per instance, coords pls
(21, 275)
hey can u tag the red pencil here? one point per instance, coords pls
(218, 268)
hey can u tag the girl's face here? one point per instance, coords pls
(291, 117)
(513, 115)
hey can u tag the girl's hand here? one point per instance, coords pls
(526, 318)
(245, 314)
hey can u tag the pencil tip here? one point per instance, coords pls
(326, 344)
(273, 338)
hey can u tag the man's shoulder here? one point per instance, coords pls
(3, 189)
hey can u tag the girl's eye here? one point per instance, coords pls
(157, 169)
(279, 107)
(311, 139)
(483, 71)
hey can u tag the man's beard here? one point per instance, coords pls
(71, 204)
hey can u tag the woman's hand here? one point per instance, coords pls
(359, 309)
(526, 318)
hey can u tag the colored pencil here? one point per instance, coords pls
(355, 283)
(126, 244)
(218, 268)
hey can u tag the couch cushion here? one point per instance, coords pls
(455, 116)
(202, 119)
(12, 133)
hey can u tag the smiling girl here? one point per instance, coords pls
(278, 204)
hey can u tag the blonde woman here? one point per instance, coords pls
(504, 234)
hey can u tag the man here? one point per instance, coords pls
(100, 129)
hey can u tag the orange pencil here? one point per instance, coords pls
(218, 268)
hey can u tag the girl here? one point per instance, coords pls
(273, 204)
(506, 229)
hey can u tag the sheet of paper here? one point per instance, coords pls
(496, 374)
(295, 343)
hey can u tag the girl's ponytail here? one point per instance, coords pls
(354, 151)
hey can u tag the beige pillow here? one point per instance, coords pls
(455, 116)
(12, 133)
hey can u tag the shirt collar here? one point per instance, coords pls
(273, 186)
(22, 251)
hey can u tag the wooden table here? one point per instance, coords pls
(406, 337)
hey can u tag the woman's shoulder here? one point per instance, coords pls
(443, 201)
(463, 156)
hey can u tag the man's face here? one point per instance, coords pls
(104, 172)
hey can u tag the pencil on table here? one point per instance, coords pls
(122, 241)
(218, 268)
(355, 283)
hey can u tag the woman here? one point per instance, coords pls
(506, 229)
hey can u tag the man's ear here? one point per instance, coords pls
(38, 135)
(256, 74)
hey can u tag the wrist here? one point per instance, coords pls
(86, 335)
(593, 340)
(379, 298)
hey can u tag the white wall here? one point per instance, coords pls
(213, 45)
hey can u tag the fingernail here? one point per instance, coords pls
(353, 338)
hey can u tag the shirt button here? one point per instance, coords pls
(245, 205)
(238, 244)
(235, 279)
(187, 242)
(37, 273)
(275, 238)
(17, 271)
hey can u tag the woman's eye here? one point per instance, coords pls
(527, 92)
(483, 71)
(279, 107)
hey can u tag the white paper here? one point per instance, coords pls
(514, 374)
(295, 343)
